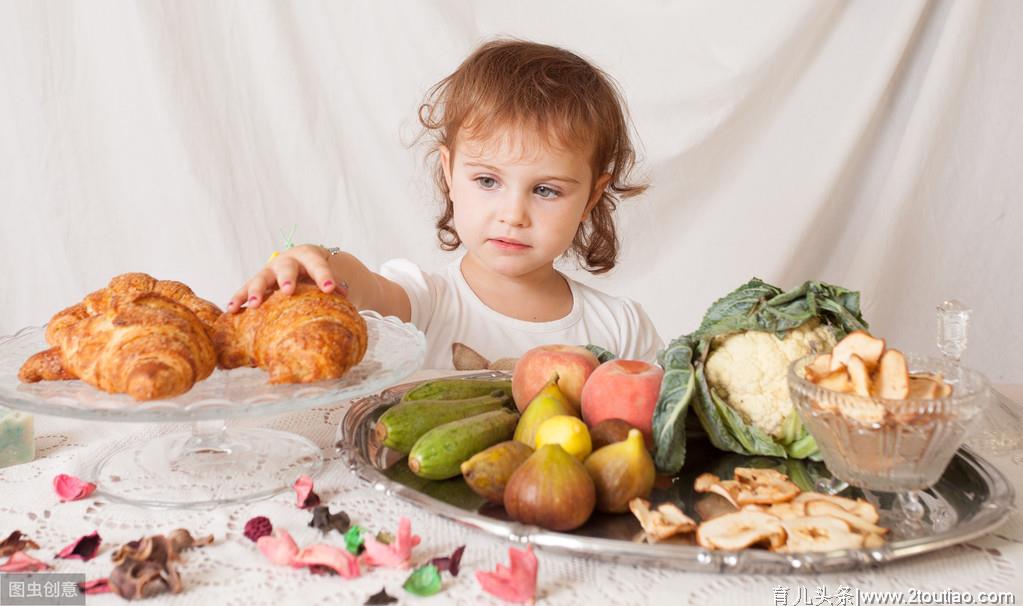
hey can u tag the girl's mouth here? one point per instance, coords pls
(508, 244)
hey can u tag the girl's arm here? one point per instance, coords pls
(370, 290)
(365, 289)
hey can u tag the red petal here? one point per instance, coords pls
(339, 560)
(304, 492)
(22, 562)
(84, 548)
(70, 488)
(516, 583)
(95, 586)
(279, 548)
(396, 555)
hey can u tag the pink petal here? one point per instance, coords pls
(70, 488)
(516, 583)
(304, 492)
(279, 548)
(22, 562)
(340, 560)
(96, 586)
(84, 548)
(396, 555)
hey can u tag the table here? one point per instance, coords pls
(232, 571)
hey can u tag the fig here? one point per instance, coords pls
(550, 402)
(551, 489)
(488, 472)
(621, 472)
(609, 431)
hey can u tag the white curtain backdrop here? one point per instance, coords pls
(873, 144)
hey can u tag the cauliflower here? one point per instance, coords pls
(748, 371)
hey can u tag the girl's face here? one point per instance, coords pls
(518, 202)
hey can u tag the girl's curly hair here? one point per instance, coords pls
(556, 94)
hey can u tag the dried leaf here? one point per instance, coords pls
(22, 562)
(324, 521)
(338, 560)
(425, 581)
(451, 562)
(516, 583)
(14, 543)
(380, 598)
(257, 528)
(70, 488)
(279, 548)
(305, 497)
(354, 542)
(395, 555)
(84, 548)
(385, 537)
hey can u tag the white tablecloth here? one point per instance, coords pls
(232, 571)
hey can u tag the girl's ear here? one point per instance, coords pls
(445, 163)
(598, 191)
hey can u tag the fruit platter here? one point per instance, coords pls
(779, 437)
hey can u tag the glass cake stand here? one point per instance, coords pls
(211, 465)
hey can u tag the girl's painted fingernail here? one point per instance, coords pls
(285, 283)
(252, 299)
(328, 283)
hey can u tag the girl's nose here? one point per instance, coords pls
(514, 211)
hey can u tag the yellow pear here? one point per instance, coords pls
(549, 402)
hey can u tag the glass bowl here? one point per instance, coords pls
(885, 445)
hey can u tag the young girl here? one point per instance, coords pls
(533, 156)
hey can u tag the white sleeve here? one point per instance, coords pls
(416, 284)
(639, 338)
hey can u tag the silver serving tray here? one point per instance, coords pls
(971, 499)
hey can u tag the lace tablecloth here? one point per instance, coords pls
(232, 571)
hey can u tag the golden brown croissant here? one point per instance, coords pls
(140, 336)
(299, 338)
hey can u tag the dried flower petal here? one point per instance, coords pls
(338, 560)
(16, 542)
(95, 586)
(84, 548)
(425, 581)
(70, 488)
(354, 542)
(146, 567)
(22, 562)
(306, 498)
(325, 521)
(380, 598)
(385, 537)
(516, 583)
(279, 548)
(257, 527)
(395, 555)
(450, 563)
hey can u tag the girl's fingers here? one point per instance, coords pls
(287, 275)
(316, 266)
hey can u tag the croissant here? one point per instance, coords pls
(140, 336)
(299, 338)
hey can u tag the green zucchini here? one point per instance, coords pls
(401, 425)
(439, 454)
(456, 389)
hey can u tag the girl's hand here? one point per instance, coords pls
(283, 272)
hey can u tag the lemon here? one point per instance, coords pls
(569, 432)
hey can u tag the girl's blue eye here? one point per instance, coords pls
(486, 182)
(546, 192)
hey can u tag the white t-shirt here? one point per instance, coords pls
(447, 310)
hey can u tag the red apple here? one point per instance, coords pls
(623, 389)
(572, 364)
